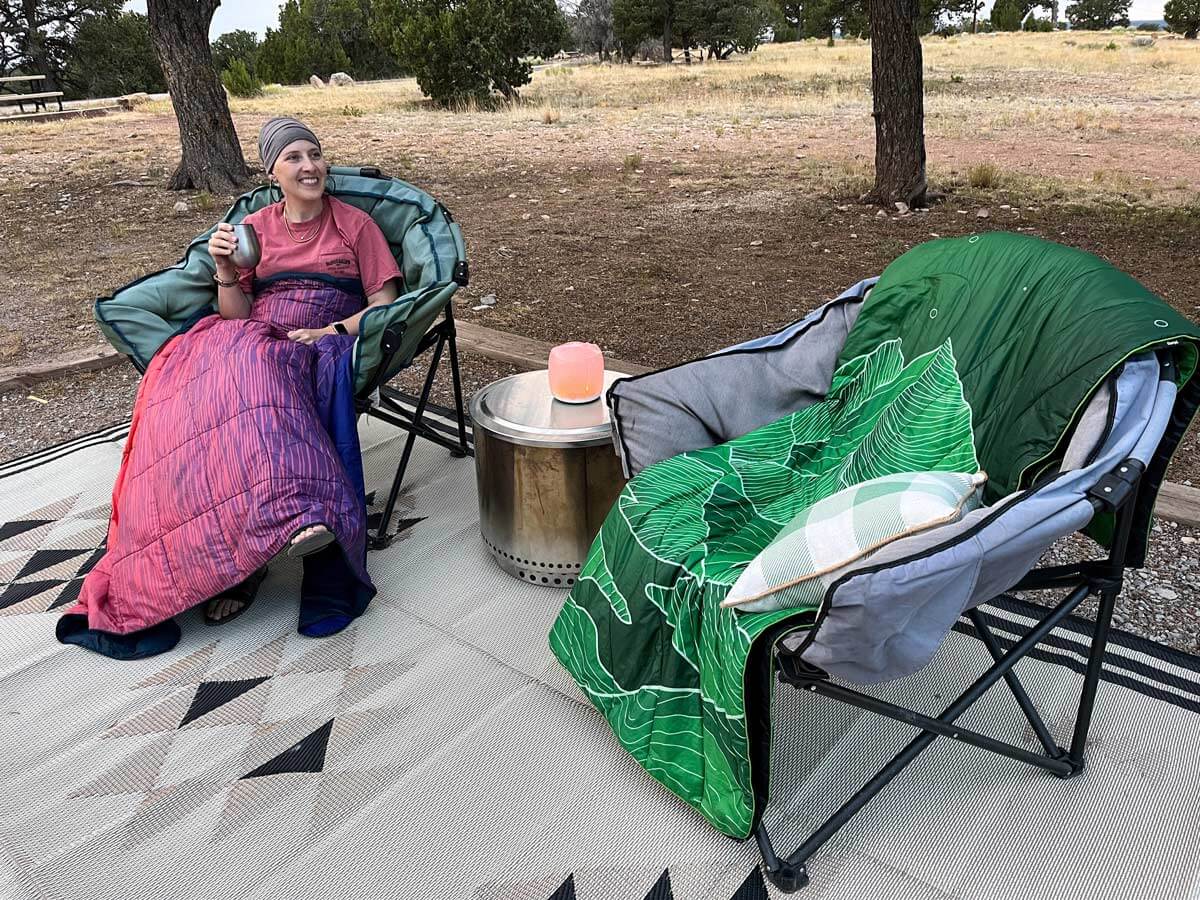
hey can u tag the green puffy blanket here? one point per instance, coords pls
(1037, 327)
(642, 632)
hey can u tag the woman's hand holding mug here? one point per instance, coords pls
(221, 246)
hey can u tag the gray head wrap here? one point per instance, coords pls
(277, 133)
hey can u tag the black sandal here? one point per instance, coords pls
(244, 593)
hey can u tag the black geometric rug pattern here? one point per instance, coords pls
(45, 554)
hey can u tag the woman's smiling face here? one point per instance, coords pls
(301, 170)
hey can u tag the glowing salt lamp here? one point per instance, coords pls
(576, 372)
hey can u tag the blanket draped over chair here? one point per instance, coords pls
(969, 353)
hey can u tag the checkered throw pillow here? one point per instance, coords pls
(815, 548)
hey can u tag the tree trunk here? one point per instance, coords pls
(668, 22)
(897, 88)
(212, 157)
(35, 47)
(975, 18)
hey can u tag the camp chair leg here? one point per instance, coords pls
(456, 377)
(390, 409)
(1018, 690)
(791, 873)
(1107, 582)
(381, 538)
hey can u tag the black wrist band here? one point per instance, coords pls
(340, 328)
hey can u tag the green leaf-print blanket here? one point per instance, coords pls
(642, 632)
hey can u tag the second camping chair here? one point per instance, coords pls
(1061, 377)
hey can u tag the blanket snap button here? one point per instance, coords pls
(1160, 323)
(933, 313)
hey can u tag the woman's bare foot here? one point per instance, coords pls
(231, 603)
(308, 533)
(309, 540)
(221, 608)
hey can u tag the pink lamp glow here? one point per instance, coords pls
(576, 372)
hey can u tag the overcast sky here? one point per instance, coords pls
(259, 15)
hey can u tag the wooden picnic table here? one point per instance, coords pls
(38, 98)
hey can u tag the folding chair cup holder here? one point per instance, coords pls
(428, 245)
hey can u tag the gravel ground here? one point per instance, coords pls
(1160, 602)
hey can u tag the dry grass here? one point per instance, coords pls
(1013, 112)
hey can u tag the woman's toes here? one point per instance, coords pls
(309, 532)
(224, 608)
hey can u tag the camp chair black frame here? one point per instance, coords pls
(1115, 493)
(391, 408)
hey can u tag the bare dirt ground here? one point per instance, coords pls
(663, 213)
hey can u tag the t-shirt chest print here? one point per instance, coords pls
(340, 262)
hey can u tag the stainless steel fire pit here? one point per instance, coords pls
(547, 476)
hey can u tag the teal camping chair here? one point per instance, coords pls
(140, 317)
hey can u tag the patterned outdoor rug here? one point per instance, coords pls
(436, 749)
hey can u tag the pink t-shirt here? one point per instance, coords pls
(348, 245)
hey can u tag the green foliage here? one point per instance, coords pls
(1033, 23)
(721, 26)
(37, 37)
(462, 51)
(114, 55)
(319, 37)
(240, 45)
(1097, 15)
(239, 82)
(592, 27)
(1008, 14)
(1183, 16)
(850, 18)
(821, 18)
(635, 21)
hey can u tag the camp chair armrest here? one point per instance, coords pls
(390, 336)
(1116, 488)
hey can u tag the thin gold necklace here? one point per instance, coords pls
(320, 218)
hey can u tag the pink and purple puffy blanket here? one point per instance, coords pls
(240, 438)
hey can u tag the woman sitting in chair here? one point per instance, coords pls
(243, 442)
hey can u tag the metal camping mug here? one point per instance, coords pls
(248, 251)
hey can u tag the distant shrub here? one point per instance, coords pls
(1111, 45)
(550, 115)
(239, 82)
(1149, 26)
(353, 112)
(632, 162)
(984, 176)
(955, 78)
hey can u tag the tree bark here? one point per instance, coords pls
(897, 88)
(35, 46)
(212, 157)
(668, 22)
